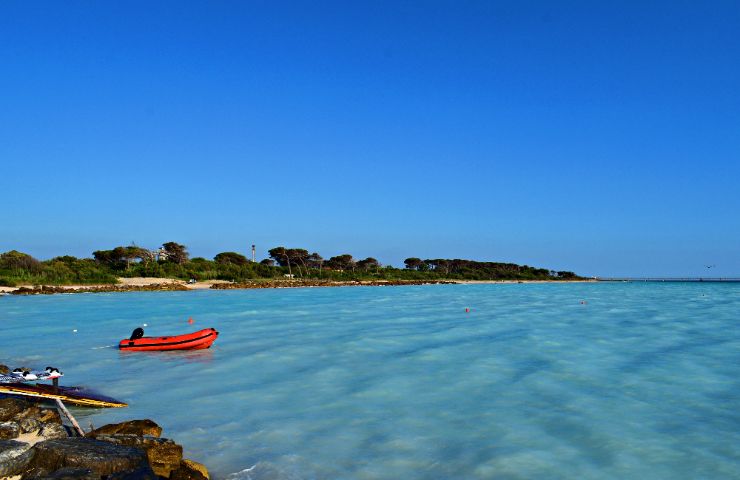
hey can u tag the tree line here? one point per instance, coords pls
(172, 260)
(491, 270)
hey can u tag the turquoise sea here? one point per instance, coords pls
(551, 381)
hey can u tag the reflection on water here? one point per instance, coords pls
(198, 356)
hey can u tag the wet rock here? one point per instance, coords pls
(14, 457)
(39, 290)
(132, 427)
(52, 431)
(70, 474)
(190, 470)
(143, 473)
(9, 430)
(4, 369)
(102, 458)
(163, 454)
(10, 407)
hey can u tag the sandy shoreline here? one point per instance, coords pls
(131, 282)
(154, 282)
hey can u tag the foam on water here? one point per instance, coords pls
(641, 381)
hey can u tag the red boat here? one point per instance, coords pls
(190, 341)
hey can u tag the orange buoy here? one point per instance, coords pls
(190, 320)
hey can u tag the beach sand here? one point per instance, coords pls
(142, 281)
(133, 282)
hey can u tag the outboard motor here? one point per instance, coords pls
(137, 333)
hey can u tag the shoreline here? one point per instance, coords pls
(144, 284)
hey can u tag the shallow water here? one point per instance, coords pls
(641, 381)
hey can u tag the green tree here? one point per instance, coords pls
(289, 257)
(315, 261)
(19, 262)
(368, 264)
(341, 262)
(175, 252)
(231, 258)
(280, 255)
(413, 263)
(114, 259)
(134, 253)
(298, 257)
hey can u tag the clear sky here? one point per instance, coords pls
(598, 137)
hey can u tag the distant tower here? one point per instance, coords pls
(253, 255)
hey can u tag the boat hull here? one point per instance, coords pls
(191, 341)
(72, 395)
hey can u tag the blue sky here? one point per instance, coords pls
(600, 138)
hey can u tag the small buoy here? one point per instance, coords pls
(74, 331)
(467, 310)
(583, 302)
(145, 325)
(190, 320)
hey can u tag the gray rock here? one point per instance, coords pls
(163, 454)
(143, 473)
(131, 427)
(10, 407)
(29, 424)
(52, 431)
(9, 430)
(50, 415)
(14, 457)
(69, 474)
(190, 470)
(102, 458)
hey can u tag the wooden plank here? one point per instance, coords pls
(66, 413)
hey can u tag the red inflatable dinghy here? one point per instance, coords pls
(190, 341)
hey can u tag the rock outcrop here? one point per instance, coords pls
(14, 457)
(9, 430)
(163, 454)
(190, 470)
(101, 458)
(131, 427)
(11, 406)
(131, 450)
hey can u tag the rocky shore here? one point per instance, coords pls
(52, 289)
(35, 444)
(323, 283)
(168, 285)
